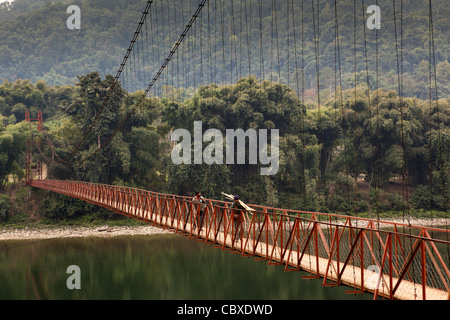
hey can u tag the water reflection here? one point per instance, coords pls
(148, 267)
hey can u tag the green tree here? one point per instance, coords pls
(13, 144)
(98, 121)
(5, 205)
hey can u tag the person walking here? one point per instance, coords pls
(200, 204)
(237, 215)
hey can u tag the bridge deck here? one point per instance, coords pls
(351, 276)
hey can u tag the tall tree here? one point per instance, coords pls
(96, 113)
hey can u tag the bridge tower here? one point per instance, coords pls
(39, 124)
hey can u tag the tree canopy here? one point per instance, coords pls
(344, 158)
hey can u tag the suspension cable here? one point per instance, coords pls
(400, 93)
(319, 116)
(154, 80)
(261, 50)
(442, 165)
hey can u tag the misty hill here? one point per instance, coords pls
(35, 43)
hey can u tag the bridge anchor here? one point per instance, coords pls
(39, 123)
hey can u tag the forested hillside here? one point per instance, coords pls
(35, 43)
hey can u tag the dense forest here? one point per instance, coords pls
(349, 158)
(367, 149)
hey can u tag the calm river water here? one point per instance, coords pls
(160, 267)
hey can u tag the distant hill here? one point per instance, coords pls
(35, 43)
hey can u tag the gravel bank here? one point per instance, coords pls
(417, 222)
(76, 232)
(106, 231)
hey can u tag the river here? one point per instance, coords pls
(156, 267)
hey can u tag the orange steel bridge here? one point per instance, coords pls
(390, 260)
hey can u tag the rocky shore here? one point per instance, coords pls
(33, 233)
(75, 232)
(439, 223)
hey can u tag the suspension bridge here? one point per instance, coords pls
(390, 260)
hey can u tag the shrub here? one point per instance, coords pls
(5, 204)
(395, 201)
(420, 198)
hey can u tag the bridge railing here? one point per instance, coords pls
(389, 259)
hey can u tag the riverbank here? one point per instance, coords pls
(439, 223)
(35, 233)
(105, 231)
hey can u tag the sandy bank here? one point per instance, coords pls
(75, 232)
